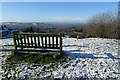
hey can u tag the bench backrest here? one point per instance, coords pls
(37, 40)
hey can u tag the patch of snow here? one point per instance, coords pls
(90, 58)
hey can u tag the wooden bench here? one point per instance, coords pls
(37, 40)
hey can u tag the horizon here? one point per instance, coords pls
(75, 12)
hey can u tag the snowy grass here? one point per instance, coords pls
(36, 58)
(89, 58)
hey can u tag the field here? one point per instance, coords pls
(87, 58)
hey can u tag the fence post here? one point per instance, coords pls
(61, 44)
(14, 40)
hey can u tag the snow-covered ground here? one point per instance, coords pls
(91, 58)
(99, 46)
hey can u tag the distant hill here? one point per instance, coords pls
(20, 25)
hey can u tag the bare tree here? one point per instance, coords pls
(106, 24)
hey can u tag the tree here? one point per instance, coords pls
(106, 24)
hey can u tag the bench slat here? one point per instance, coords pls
(38, 41)
(31, 40)
(40, 47)
(42, 43)
(28, 40)
(49, 41)
(21, 42)
(60, 43)
(45, 41)
(38, 34)
(17, 36)
(53, 41)
(56, 41)
(35, 40)
(25, 40)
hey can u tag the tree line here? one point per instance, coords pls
(102, 25)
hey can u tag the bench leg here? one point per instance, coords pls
(15, 48)
(61, 52)
(21, 48)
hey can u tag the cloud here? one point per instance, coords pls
(70, 19)
(67, 18)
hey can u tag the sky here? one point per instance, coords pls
(53, 11)
(60, 0)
